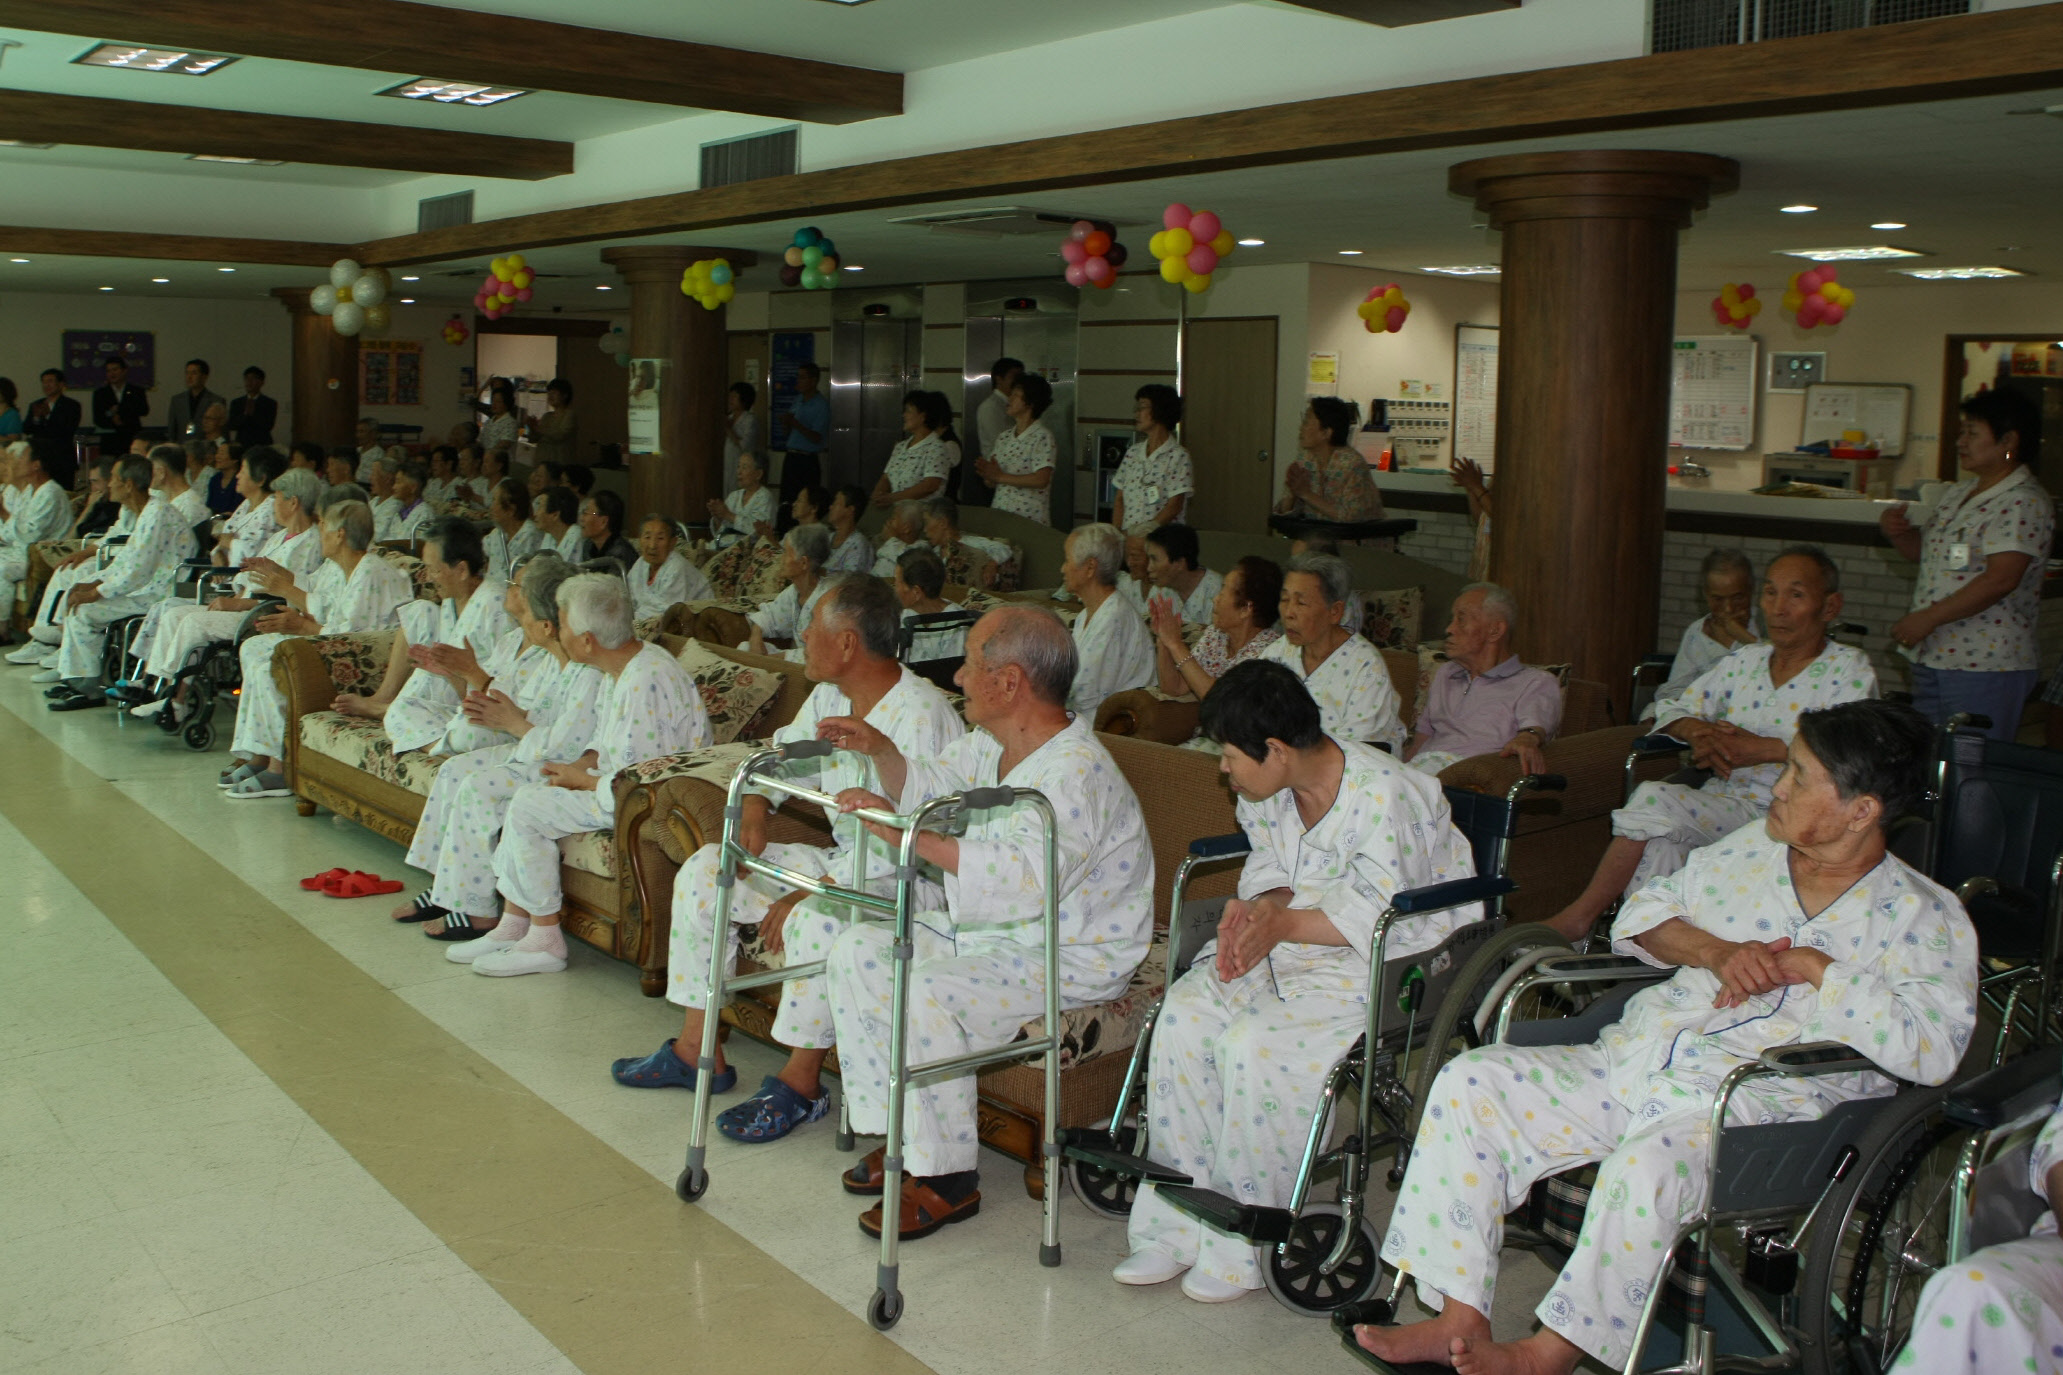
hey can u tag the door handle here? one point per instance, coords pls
(1264, 456)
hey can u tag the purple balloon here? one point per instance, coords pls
(1117, 254)
(791, 276)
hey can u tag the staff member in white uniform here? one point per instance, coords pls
(1154, 480)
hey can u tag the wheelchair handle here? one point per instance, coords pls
(1220, 847)
(1545, 782)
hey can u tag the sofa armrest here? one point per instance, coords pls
(1594, 763)
(689, 815)
(1141, 714)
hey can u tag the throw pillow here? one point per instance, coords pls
(732, 693)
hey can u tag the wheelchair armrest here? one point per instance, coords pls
(1810, 1059)
(2013, 1090)
(1220, 847)
(1659, 744)
(1538, 783)
(1438, 897)
(1602, 967)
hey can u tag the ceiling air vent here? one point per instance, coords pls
(733, 160)
(995, 220)
(444, 212)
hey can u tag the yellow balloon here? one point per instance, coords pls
(1793, 299)
(1157, 246)
(1174, 270)
(1730, 294)
(343, 295)
(1196, 284)
(1368, 310)
(1403, 305)
(1753, 305)
(515, 262)
(1223, 244)
(726, 292)
(1177, 242)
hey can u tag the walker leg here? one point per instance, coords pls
(844, 1140)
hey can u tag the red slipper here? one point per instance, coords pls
(363, 885)
(322, 881)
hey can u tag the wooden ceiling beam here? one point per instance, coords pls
(43, 117)
(1992, 53)
(480, 45)
(194, 248)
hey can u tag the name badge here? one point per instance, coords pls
(1150, 499)
(1959, 556)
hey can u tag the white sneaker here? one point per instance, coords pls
(465, 952)
(34, 652)
(502, 964)
(46, 634)
(48, 675)
(1150, 1266)
(150, 709)
(1209, 1289)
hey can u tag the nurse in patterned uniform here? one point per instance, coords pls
(1737, 718)
(1154, 480)
(919, 464)
(1020, 469)
(849, 652)
(1343, 671)
(1249, 1033)
(979, 972)
(2002, 1308)
(1802, 927)
(653, 708)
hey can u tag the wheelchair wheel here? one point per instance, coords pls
(1291, 1269)
(199, 735)
(1105, 1193)
(1454, 1026)
(1885, 1229)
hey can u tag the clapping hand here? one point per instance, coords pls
(1167, 624)
(493, 710)
(852, 733)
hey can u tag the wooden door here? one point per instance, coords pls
(600, 393)
(1228, 425)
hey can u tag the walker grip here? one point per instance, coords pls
(980, 799)
(808, 749)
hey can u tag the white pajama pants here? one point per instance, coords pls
(85, 634)
(1503, 1117)
(1431, 762)
(461, 822)
(180, 630)
(1674, 820)
(52, 610)
(959, 1004)
(526, 862)
(1234, 1080)
(1999, 1310)
(14, 571)
(261, 710)
(420, 715)
(463, 737)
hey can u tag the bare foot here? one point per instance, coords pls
(351, 704)
(404, 911)
(1546, 1352)
(1431, 1340)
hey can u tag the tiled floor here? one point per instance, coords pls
(168, 1203)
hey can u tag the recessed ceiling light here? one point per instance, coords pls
(161, 280)
(129, 57)
(604, 287)
(408, 300)
(23, 143)
(225, 269)
(1350, 252)
(855, 267)
(453, 92)
(1798, 209)
(237, 162)
(1889, 224)
(1251, 243)
(1467, 270)
(1857, 254)
(1955, 274)
(107, 288)
(17, 260)
(411, 279)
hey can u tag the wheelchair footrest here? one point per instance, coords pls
(1261, 1226)
(1377, 1311)
(1116, 1161)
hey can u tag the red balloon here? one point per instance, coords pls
(522, 293)
(1203, 260)
(1107, 283)
(1809, 280)
(1117, 254)
(1393, 319)
(1204, 226)
(1097, 244)
(1746, 291)
(1834, 314)
(1074, 251)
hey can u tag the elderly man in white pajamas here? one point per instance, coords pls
(849, 650)
(1248, 1034)
(354, 591)
(1113, 648)
(2001, 1308)
(39, 509)
(1737, 718)
(979, 970)
(653, 708)
(1799, 928)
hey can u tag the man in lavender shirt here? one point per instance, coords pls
(1483, 700)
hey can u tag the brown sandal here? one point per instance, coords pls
(923, 1212)
(864, 1178)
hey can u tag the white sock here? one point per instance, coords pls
(512, 927)
(547, 940)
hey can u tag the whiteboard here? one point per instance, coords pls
(1475, 394)
(1712, 392)
(1878, 409)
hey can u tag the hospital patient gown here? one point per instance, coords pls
(423, 708)
(1356, 700)
(1901, 989)
(1237, 1067)
(366, 599)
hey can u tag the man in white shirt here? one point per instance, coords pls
(1728, 582)
(904, 529)
(992, 418)
(39, 510)
(1111, 641)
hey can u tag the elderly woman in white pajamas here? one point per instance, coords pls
(1342, 670)
(353, 592)
(1113, 649)
(662, 579)
(653, 708)
(548, 707)
(803, 551)
(1248, 1034)
(2000, 1309)
(850, 654)
(39, 509)
(1737, 717)
(979, 972)
(1799, 928)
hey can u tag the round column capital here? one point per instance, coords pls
(1630, 184)
(664, 263)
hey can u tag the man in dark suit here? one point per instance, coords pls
(252, 415)
(118, 408)
(53, 416)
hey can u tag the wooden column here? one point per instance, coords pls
(325, 381)
(664, 323)
(1588, 315)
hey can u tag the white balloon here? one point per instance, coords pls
(323, 299)
(369, 290)
(348, 318)
(345, 271)
(614, 342)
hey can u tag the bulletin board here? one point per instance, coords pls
(1878, 409)
(390, 372)
(1712, 386)
(86, 351)
(1475, 394)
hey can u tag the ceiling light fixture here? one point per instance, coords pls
(1889, 224)
(855, 267)
(1250, 243)
(236, 162)
(17, 260)
(129, 57)
(453, 92)
(1350, 252)
(107, 288)
(604, 288)
(408, 300)
(1858, 254)
(411, 279)
(1467, 270)
(161, 280)
(23, 143)
(1797, 209)
(225, 269)
(1956, 274)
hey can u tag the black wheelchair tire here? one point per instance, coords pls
(1293, 1278)
(1455, 1017)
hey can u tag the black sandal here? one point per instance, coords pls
(425, 910)
(457, 927)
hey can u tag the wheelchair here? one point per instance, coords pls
(939, 671)
(1323, 1254)
(946, 814)
(210, 673)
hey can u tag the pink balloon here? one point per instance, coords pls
(1746, 291)
(1826, 274)
(1080, 229)
(1203, 260)
(1077, 275)
(1073, 251)
(1097, 270)
(1834, 314)
(1204, 226)
(1809, 280)
(522, 293)
(1176, 216)
(1393, 319)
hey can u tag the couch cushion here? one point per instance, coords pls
(749, 570)
(418, 572)
(592, 852)
(732, 693)
(363, 745)
(356, 663)
(715, 764)
(1391, 619)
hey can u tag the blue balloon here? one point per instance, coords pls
(720, 274)
(830, 249)
(807, 237)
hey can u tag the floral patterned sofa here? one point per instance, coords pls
(1190, 801)
(347, 765)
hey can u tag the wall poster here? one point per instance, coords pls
(1475, 394)
(86, 351)
(646, 377)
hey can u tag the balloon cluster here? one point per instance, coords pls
(455, 331)
(811, 261)
(710, 281)
(1383, 309)
(1736, 305)
(616, 343)
(1815, 298)
(508, 283)
(1093, 254)
(1190, 246)
(354, 297)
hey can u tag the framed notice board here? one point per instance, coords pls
(390, 372)
(86, 352)
(1475, 394)
(1712, 384)
(1881, 410)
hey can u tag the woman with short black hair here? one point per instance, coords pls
(1330, 479)
(1020, 471)
(1155, 480)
